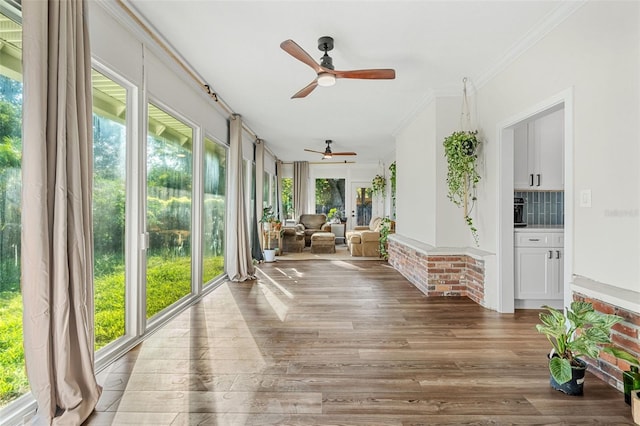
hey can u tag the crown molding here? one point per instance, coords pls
(547, 24)
(426, 100)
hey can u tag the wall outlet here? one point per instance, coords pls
(585, 198)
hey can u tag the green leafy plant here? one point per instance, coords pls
(460, 149)
(385, 230)
(392, 179)
(378, 185)
(582, 331)
(268, 216)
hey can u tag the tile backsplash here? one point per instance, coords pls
(542, 207)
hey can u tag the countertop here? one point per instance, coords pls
(539, 228)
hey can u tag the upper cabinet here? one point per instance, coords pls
(539, 153)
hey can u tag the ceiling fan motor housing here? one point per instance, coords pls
(325, 44)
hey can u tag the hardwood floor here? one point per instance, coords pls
(344, 343)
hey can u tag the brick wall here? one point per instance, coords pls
(439, 274)
(625, 335)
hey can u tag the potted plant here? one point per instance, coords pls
(460, 149)
(580, 332)
(631, 377)
(378, 185)
(334, 215)
(268, 220)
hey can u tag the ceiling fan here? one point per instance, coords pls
(327, 151)
(327, 75)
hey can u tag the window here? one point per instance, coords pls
(266, 193)
(109, 190)
(169, 183)
(330, 196)
(215, 174)
(286, 193)
(13, 379)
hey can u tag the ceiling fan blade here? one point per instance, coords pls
(311, 150)
(299, 53)
(306, 90)
(343, 153)
(374, 74)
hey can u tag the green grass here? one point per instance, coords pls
(167, 281)
(13, 377)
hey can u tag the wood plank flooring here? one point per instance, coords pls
(344, 343)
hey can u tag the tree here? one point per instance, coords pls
(10, 161)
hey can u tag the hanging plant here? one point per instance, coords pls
(385, 230)
(392, 179)
(378, 185)
(462, 177)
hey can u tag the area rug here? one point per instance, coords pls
(342, 253)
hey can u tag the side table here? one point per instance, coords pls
(338, 229)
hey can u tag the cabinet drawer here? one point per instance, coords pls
(533, 239)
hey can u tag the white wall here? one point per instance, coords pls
(416, 177)
(596, 52)
(423, 209)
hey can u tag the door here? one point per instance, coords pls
(360, 198)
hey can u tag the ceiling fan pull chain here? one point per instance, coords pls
(465, 116)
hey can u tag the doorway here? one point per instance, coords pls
(360, 199)
(505, 229)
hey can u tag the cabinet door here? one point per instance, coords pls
(521, 169)
(534, 273)
(548, 165)
(557, 274)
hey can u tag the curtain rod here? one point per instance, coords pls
(203, 85)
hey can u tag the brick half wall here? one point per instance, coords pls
(438, 273)
(624, 335)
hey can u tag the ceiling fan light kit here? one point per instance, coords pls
(326, 80)
(326, 74)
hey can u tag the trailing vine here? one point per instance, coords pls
(385, 230)
(392, 179)
(462, 176)
(378, 185)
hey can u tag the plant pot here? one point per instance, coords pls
(635, 406)
(631, 382)
(575, 385)
(269, 255)
(468, 147)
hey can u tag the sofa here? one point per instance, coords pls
(312, 223)
(365, 240)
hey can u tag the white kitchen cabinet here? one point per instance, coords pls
(539, 267)
(539, 153)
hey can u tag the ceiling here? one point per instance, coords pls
(235, 47)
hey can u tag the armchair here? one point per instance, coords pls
(312, 223)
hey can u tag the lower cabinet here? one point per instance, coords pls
(539, 267)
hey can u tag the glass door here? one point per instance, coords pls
(361, 205)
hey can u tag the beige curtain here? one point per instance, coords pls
(279, 190)
(57, 242)
(238, 262)
(300, 187)
(259, 157)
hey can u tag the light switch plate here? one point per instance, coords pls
(585, 198)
